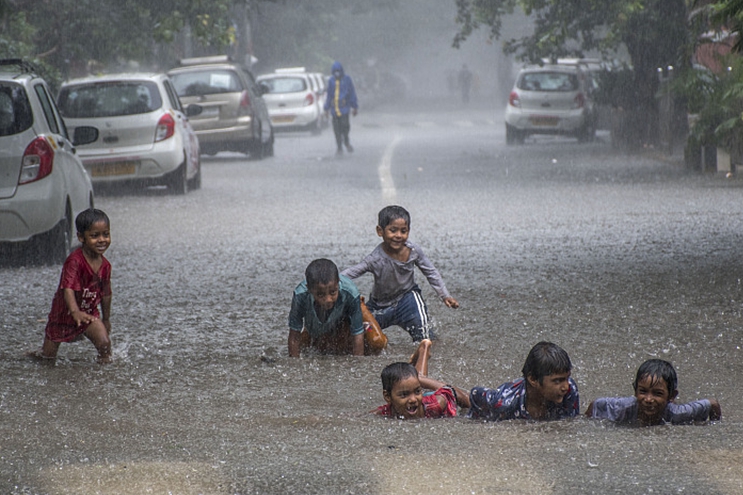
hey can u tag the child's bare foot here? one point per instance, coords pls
(39, 355)
(104, 359)
(423, 351)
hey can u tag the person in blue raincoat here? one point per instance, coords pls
(340, 102)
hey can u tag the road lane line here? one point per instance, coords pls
(384, 171)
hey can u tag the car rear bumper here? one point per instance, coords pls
(294, 118)
(34, 209)
(546, 122)
(164, 158)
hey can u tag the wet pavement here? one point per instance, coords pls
(615, 257)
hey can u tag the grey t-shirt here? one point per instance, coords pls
(392, 278)
(624, 410)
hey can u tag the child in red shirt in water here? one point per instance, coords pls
(403, 384)
(85, 284)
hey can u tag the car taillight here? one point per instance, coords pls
(37, 161)
(513, 99)
(579, 101)
(165, 128)
(309, 99)
(245, 99)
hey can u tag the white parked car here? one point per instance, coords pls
(145, 135)
(43, 185)
(553, 99)
(292, 100)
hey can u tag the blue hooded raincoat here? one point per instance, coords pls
(341, 93)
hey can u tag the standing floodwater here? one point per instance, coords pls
(615, 258)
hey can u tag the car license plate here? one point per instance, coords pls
(546, 121)
(113, 168)
(282, 119)
(209, 112)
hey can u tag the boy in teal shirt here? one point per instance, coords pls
(326, 313)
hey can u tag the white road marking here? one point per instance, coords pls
(389, 193)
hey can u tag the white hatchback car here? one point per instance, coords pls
(553, 99)
(145, 135)
(292, 101)
(43, 185)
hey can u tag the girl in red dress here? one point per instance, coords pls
(85, 284)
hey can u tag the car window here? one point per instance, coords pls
(548, 81)
(207, 82)
(285, 84)
(172, 96)
(46, 106)
(15, 109)
(109, 99)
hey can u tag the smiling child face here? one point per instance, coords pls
(652, 398)
(406, 398)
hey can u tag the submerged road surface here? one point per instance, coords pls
(617, 258)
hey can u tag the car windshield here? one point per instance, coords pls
(207, 82)
(15, 109)
(109, 99)
(284, 84)
(548, 81)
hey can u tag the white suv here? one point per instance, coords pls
(43, 185)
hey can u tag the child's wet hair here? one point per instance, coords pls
(395, 373)
(657, 369)
(389, 214)
(321, 271)
(88, 217)
(545, 359)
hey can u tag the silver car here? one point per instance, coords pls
(43, 185)
(234, 116)
(292, 100)
(553, 99)
(145, 134)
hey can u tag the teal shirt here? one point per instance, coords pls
(303, 315)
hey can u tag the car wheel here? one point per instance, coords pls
(268, 147)
(55, 245)
(587, 133)
(178, 181)
(195, 183)
(514, 136)
(316, 128)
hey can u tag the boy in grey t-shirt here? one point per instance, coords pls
(395, 297)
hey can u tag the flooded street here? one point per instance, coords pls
(616, 258)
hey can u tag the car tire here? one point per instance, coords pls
(195, 183)
(514, 136)
(178, 180)
(316, 128)
(268, 147)
(54, 246)
(587, 133)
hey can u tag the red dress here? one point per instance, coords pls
(430, 405)
(89, 287)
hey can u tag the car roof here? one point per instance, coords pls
(551, 68)
(125, 76)
(17, 70)
(275, 75)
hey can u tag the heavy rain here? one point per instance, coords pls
(616, 254)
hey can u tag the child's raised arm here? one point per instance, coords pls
(462, 396)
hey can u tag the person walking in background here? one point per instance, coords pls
(340, 101)
(465, 83)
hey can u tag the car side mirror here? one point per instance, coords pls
(264, 89)
(193, 110)
(84, 135)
